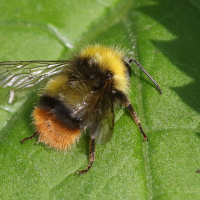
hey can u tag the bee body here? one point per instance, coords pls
(80, 94)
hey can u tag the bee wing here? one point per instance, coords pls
(102, 123)
(105, 128)
(23, 74)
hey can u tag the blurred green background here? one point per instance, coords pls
(164, 37)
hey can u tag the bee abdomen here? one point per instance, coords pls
(55, 123)
(60, 110)
(53, 132)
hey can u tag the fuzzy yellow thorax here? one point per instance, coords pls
(109, 59)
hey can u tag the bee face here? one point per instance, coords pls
(79, 94)
(96, 63)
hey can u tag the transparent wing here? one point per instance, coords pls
(105, 128)
(23, 74)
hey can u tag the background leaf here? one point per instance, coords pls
(164, 37)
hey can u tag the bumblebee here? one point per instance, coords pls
(79, 94)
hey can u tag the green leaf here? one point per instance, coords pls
(164, 37)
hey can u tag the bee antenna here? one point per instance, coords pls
(140, 66)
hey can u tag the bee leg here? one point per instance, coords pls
(136, 119)
(29, 138)
(92, 156)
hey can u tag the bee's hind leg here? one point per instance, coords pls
(92, 156)
(29, 138)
